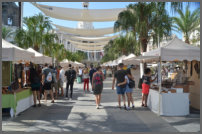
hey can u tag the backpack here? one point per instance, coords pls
(140, 83)
(131, 83)
(49, 77)
(97, 82)
(71, 76)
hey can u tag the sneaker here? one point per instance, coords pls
(133, 107)
(125, 108)
(39, 105)
(97, 107)
(100, 105)
(52, 101)
(34, 105)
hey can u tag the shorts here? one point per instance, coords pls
(35, 86)
(47, 86)
(55, 85)
(120, 90)
(145, 88)
(128, 90)
(60, 83)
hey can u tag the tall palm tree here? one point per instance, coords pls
(187, 22)
(142, 19)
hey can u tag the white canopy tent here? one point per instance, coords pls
(86, 32)
(90, 15)
(78, 64)
(65, 63)
(175, 50)
(120, 59)
(11, 52)
(126, 60)
(40, 58)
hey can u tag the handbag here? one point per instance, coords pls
(131, 83)
(140, 83)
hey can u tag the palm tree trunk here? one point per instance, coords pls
(143, 45)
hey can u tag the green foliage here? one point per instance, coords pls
(6, 32)
(145, 20)
(187, 22)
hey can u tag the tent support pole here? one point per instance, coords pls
(160, 83)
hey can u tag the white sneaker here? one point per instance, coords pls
(97, 107)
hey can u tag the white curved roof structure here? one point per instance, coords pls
(88, 44)
(91, 15)
(96, 39)
(86, 48)
(86, 32)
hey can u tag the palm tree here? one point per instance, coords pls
(143, 19)
(187, 22)
(6, 32)
(34, 29)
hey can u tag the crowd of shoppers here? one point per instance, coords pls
(51, 80)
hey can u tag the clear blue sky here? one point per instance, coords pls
(30, 10)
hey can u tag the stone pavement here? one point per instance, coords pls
(81, 115)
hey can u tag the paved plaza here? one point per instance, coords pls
(80, 114)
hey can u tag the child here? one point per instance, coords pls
(146, 85)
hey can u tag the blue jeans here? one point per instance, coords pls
(120, 90)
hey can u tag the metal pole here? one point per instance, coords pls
(160, 82)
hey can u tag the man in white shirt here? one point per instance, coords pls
(80, 72)
(61, 80)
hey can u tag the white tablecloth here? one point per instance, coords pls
(22, 105)
(171, 104)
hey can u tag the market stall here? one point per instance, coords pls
(170, 96)
(40, 58)
(15, 92)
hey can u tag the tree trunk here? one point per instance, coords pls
(187, 41)
(143, 45)
(36, 48)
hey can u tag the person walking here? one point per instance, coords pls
(121, 81)
(97, 85)
(146, 85)
(129, 88)
(34, 79)
(54, 83)
(91, 72)
(47, 78)
(71, 75)
(61, 80)
(85, 79)
(81, 73)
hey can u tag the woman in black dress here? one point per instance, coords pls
(97, 85)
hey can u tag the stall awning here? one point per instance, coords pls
(11, 52)
(176, 50)
(90, 15)
(40, 58)
(86, 32)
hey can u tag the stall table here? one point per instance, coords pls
(171, 104)
(21, 100)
